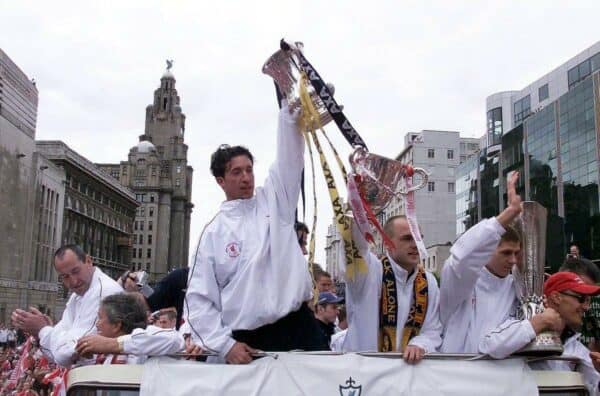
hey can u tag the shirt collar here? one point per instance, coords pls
(238, 206)
(400, 273)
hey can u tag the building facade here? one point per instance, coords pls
(333, 249)
(549, 132)
(98, 212)
(436, 257)
(158, 173)
(439, 153)
(21, 178)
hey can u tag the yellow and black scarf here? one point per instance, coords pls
(388, 309)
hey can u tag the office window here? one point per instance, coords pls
(149, 226)
(450, 154)
(451, 187)
(543, 93)
(140, 239)
(149, 253)
(521, 109)
(430, 186)
(134, 251)
(141, 226)
(430, 153)
(135, 226)
(149, 239)
(151, 212)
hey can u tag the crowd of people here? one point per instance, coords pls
(249, 289)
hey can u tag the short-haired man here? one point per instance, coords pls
(567, 294)
(236, 300)
(324, 282)
(167, 318)
(478, 297)
(302, 234)
(394, 306)
(573, 251)
(89, 286)
(326, 312)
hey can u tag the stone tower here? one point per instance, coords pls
(158, 172)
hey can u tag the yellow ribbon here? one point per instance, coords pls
(310, 121)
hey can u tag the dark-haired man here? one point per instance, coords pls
(236, 300)
(302, 233)
(89, 286)
(478, 297)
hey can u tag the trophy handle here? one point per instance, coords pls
(424, 178)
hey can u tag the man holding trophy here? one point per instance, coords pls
(393, 306)
(478, 296)
(235, 300)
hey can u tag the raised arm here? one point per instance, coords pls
(285, 173)
(471, 252)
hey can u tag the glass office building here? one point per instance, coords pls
(556, 151)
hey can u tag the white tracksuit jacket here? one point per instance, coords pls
(248, 269)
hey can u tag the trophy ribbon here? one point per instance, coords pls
(359, 212)
(326, 96)
(311, 121)
(299, 82)
(411, 217)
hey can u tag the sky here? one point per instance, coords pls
(398, 66)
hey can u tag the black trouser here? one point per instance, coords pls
(296, 330)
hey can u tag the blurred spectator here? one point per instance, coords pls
(11, 337)
(3, 337)
(324, 281)
(168, 292)
(326, 312)
(302, 233)
(573, 251)
(166, 318)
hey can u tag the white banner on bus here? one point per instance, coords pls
(341, 375)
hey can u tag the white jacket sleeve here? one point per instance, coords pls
(468, 256)
(507, 338)
(285, 173)
(591, 377)
(58, 342)
(202, 303)
(429, 337)
(153, 341)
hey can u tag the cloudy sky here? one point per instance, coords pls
(398, 66)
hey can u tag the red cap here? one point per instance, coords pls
(562, 281)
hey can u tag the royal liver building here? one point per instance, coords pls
(157, 171)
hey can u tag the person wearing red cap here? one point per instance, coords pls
(570, 296)
(477, 294)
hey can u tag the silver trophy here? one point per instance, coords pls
(283, 67)
(384, 178)
(529, 277)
